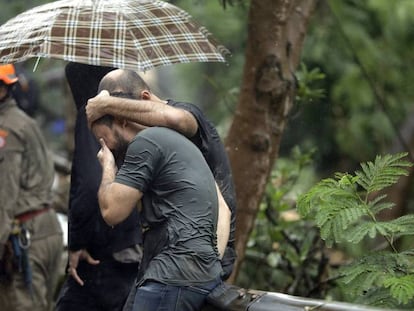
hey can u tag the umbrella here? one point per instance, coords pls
(130, 34)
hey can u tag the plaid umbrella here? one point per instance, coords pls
(130, 34)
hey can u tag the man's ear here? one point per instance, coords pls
(121, 122)
(146, 95)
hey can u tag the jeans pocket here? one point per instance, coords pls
(198, 290)
(206, 288)
(149, 296)
(151, 286)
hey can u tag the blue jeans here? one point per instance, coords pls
(155, 296)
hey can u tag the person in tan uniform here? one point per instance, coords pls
(31, 242)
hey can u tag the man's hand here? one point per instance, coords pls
(74, 258)
(94, 107)
(105, 157)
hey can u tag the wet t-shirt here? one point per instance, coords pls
(208, 141)
(180, 207)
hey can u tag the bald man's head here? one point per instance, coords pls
(123, 83)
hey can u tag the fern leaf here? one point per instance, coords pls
(357, 269)
(335, 220)
(405, 220)
(361, 278)
(372, 229)
(342, 213)
(401, 288)
(404, 225)
(323, 193)
(375, 206)
(377, 297)
(358, 233)
(383, 172)
(373, 269)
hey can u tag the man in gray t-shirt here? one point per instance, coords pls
(179, 206)
(179, 191)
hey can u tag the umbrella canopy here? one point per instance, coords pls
(129, 34)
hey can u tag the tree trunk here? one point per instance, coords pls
(276, 31)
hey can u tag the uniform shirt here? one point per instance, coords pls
(179, 203)
(209, 142)
(26, 168)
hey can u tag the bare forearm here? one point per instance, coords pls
(134, 110)
(151, 113)
(116, 201)
(108, 176)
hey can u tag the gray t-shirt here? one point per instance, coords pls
(180, 207)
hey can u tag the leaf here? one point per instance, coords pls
(344, 212)
(379, 297)
(404, 225)
(326, 193)
(375, 206)
(358, 233)
(406, 220)
(335, 220)
(383, 172)
(401, 288)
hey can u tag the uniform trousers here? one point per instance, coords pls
(45, 258)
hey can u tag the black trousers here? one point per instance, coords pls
(106, 287)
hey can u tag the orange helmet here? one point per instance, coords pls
(8, 74)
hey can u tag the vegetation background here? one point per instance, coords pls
(353, 101)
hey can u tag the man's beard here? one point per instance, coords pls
(120, 150)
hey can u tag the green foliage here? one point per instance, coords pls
(306, 90)
(345, 209)
(363, 48)
(224, 3)
(384, 172)
(377, 274)
(345, 213)
(285, 253)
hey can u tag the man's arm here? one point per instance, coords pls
(146, 112)
(223, 223)
(116, 201)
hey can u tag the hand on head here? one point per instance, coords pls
(94, 107)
